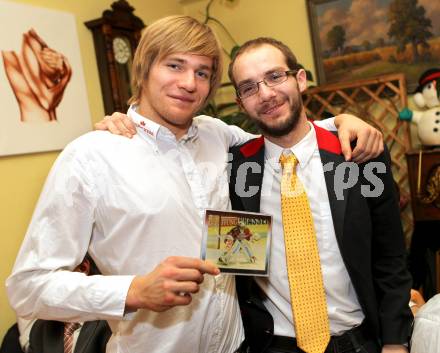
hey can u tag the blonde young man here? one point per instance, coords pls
(136, 206)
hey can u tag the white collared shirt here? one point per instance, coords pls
(343, 307)
(24, 329)
(131, 203)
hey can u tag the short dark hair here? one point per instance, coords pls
(291, 61)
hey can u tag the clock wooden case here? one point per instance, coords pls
(116, 35)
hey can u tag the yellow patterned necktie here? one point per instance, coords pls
(307, 294)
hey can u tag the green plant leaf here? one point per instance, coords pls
(234, 51)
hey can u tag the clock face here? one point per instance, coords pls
(121, 49)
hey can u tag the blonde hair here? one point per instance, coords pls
(170, 35)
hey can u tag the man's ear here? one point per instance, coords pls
(301, 78)
(239, 103)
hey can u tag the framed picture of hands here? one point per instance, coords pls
(43, 94)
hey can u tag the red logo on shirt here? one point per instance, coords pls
(141, 126)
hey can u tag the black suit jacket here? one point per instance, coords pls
(369, 236)
(48, 337)
(11, 342)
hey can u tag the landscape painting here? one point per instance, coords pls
(355, 39)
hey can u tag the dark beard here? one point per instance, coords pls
(288, 126)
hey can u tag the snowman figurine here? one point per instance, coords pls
(426, 96)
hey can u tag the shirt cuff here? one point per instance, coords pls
(113, 305)
(328, 124)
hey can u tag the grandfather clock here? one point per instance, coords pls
(116, 35)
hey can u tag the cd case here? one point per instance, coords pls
(237, 242)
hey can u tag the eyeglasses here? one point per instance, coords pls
(270, 79)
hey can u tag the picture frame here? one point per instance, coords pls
(354, 39)
(43, 89)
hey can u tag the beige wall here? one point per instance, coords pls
(285, 20)
(21, 177)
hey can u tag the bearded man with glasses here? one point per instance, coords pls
(337, 276)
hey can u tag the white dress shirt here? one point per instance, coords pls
(24, 329)
(343, 307)
(131, 203)
(426, 334)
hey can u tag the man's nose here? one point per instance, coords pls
(265, 92)
(187, 81)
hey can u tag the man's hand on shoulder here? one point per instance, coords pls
(118, 124)
(170, 284)
(369, 140)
